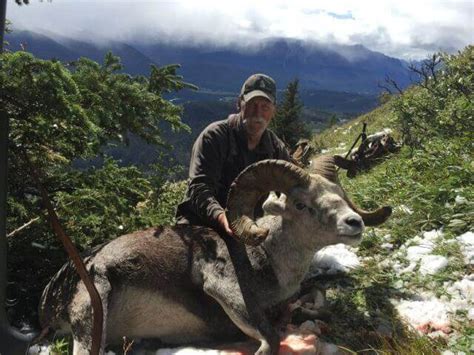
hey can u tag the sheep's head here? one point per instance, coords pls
(319, 209)
(313, 201)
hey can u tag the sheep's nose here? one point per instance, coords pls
(354, 221)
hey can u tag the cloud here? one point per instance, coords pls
(404, 29)
(346, 16)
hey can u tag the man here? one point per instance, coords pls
(225, 148)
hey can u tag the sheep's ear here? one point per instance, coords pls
(275, 205)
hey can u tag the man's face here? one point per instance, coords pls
(258, 113)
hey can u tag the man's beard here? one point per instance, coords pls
(255, 120)
(255, 125)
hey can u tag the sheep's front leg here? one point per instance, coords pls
(229, 295)
(233, 284)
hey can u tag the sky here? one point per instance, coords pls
(407, 29)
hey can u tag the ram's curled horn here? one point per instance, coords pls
(251, 184)
(325, 165)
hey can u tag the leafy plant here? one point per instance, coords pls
(60, 346)
(443, 104)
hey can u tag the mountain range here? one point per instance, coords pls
(352, 69)
(334, 81)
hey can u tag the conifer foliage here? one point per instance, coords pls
(63, 112)
(287, 123)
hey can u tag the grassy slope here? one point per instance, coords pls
(427, 183)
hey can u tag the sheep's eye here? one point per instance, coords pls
(299, 205)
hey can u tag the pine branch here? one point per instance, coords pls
(19, 229)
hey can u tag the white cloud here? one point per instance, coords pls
(407, 29)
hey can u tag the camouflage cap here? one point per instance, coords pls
(259, 85)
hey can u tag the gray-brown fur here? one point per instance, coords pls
(181, 284)
(168, 260)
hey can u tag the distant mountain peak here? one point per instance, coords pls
(335, 67)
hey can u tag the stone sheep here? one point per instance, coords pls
(188, 284)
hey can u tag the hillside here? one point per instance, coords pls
(418, 268)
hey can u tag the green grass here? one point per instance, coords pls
(61, 346)
(428, 182)
(333, 136)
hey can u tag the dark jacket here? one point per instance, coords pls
(219, 154)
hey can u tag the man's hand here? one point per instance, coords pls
(224, 224)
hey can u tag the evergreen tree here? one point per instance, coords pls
(332, 121)
(287, 123)
(58, 114)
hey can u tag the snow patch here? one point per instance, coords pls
(432, 264)
(466, 241)
(460, 200)
(425, 315)
(418, 246)
(333, 259)
(470, 313)
(417, 252)
(39, 350)
(463, 289)
(431, 315)
(387, 246)
(399, 269)
(433, 234)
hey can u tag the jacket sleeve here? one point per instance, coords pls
(205, 171)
